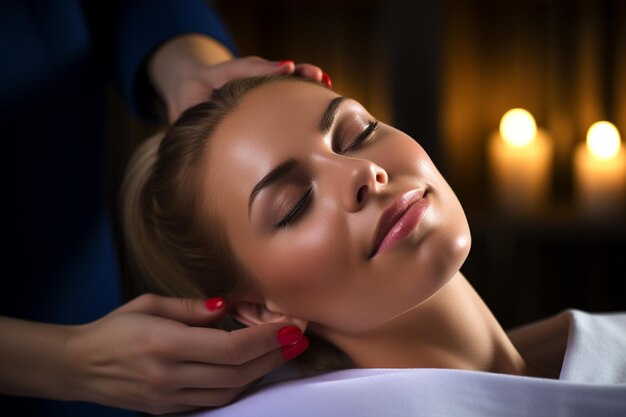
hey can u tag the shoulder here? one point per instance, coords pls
(544, 342)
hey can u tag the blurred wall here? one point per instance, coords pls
(563, 60)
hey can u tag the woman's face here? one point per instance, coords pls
(301, 181)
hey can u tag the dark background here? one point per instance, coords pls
(445, 72)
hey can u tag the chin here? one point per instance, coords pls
(447, 250)
(457, 250)
(460, 248)
(455, 240)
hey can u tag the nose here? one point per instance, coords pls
(361, 179)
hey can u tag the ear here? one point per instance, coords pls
(255, 314)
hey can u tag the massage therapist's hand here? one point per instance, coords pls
(186, 70)
(152, 355)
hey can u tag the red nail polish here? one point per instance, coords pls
(286, 61)
(289, 335)
(293, 350)
(326, 80)
(214, 303)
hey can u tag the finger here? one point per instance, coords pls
(232, 348)
(200, 375)
(208, 397)
(309, 71)
(144, 402)
(167, 409)
(191, 311)
(248, 67)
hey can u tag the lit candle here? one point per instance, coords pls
(600, 170)
(520, 157)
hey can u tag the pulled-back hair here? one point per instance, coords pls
(176, 246)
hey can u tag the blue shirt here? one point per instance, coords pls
(58, 57)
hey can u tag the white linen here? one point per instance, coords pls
(596, 348)
(592, 383)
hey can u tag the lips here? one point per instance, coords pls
(391, 218)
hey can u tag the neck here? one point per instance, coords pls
(453, 329)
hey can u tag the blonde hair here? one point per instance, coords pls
(174, 250)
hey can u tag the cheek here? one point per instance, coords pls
(307, 269)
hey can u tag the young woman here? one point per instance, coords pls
(297, 206)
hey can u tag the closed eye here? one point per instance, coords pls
(363, 137)
(297, 211)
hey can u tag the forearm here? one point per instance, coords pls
(180, 57)
(32, 359)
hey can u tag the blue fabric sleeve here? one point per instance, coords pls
(143, 25)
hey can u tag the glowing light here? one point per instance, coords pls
(518, 127)
(603, 140)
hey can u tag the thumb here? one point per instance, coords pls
(191, 311)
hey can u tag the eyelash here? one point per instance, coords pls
(304, 202)
(371, 127)
(297, 210)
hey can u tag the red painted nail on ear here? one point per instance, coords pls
(288, 335)
(326, 80)
(294, 349)
(293, 342)
(214, 303)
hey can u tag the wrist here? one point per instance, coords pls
(74, 364)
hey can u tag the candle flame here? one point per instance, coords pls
(603, 140)
(518, 127)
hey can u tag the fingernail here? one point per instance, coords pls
(286, 61)
(214, 303)
(294, 349)
(326, 80)
(288, 335)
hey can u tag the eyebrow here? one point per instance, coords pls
(286, 167)
(329, 115)
(275, 175)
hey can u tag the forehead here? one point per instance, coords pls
(270, 124)
(273, 113)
